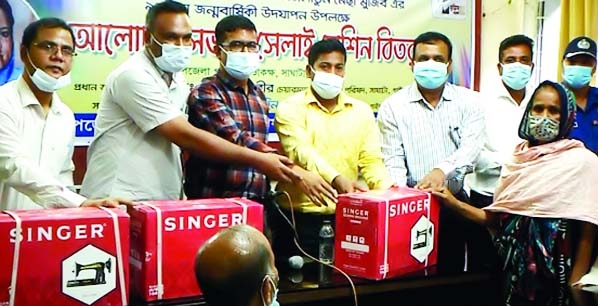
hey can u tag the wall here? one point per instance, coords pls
(500, 19)
(549, 53)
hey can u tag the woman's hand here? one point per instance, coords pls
(445, 196)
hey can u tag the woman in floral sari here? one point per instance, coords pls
(547, 191)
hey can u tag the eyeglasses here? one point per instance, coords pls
(52, 48)
(239, 46)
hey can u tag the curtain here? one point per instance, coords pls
(578, 17)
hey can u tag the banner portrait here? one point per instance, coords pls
(378, 36)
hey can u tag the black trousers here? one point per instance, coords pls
(481, 254)
(456, 234)
(451, 239)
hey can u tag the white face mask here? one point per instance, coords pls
(241, 65)
(46, 82)
(327, 85)
(174, 58)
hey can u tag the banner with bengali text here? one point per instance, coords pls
(378, 35)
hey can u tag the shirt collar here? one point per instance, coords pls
(28, 98)
(343, 100)
(502, 92)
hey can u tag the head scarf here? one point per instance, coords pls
(567, 100)
(9, 72)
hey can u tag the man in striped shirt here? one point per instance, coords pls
(432, 134)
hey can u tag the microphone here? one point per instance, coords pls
(296, 277)
(296, 262)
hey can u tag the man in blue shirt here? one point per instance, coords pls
(579, 66)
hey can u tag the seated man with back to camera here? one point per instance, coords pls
(236, 268)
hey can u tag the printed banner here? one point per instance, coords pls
(378, 35)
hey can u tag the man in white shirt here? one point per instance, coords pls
(503, 111)
(141, 123)
(36, 128)
(431, 133)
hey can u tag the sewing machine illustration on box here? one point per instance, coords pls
(421, 243)
(100, 274)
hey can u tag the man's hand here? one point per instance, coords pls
(315, 187)
(434, 179)
(344, 185)
(277, 167)
(106, 202)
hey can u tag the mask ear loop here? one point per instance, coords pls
(32, 64)
(262, 286)
(223, 50)
(313, 72)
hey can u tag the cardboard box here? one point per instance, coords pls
(67, 256)
(166, 235)
(384, 233)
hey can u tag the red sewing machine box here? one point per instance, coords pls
(166, 235)
(385, 233)
(67, 256)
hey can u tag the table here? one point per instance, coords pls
(315, 285)
(318, 285)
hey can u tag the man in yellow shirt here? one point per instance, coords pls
(324, 130)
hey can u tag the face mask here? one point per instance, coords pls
(577, 76)
(275, 298)
(430, 74)
(274, 295)
(241, 65)
(174, 58)
(543, 129)
(516, 75)
(327, 85)
(46, 82)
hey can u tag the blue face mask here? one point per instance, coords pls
(430, 74)
(577, 76)
(275, 298)
(516, 75)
